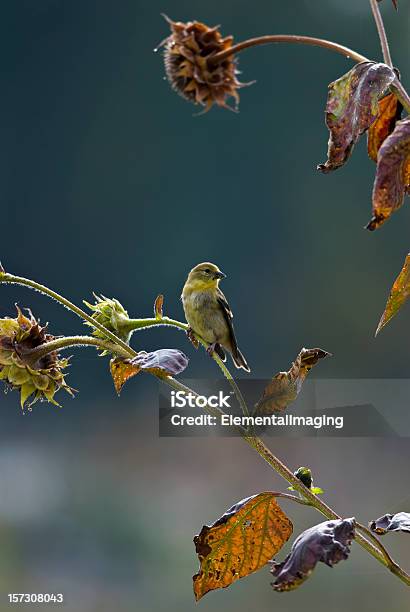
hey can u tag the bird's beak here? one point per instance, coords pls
(219, 275)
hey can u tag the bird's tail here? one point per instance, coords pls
(220, 352)
(239, 360)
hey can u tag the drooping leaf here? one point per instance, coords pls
(390, 111)
(391, 522)
(285, 386)
(159, 302)
(327, 542)
(399, 293)
(352, 107)
(304, 474)
(392, 174)
(163, 362)
(121, 371)
(242, 541)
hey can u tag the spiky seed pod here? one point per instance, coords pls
(187, 53)
(112, 314)
(35, 379)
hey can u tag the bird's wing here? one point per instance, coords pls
(227, 312)
(224, 303)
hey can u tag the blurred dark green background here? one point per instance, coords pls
(109, 183)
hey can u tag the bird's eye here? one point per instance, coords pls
(207, 271)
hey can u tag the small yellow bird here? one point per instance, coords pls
(208, 313)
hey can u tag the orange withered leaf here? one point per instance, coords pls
(121, 371)
(158, 306)
(352, 107)
(390, 110)
(284, 387)
(392, 180)
(163, 362)
(399, 293)
(239, 543)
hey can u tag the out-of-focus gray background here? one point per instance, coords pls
(109, 183)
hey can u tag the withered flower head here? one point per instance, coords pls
(21, 367)
(112, 314)
(189, 68)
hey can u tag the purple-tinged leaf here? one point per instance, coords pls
(352, 107)
(328, 542)
(391, 522)
(163, 362)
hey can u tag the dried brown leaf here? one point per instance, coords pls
(158, 305)
(392, 174)
(284, 388)
(352, 107)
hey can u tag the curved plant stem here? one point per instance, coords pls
(396, 86)
(382, 32)
(401, 93)
(19, 280)
(66, 342)
(390, 562)
(298, 500)
(287, 38)
(136, 324)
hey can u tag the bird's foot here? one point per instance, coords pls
(211, 349)
(191, 336)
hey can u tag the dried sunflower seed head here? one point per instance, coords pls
(189, 69)
(37, 378)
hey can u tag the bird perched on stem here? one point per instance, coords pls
(208, 313)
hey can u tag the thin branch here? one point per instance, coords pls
(391, 563)
(287, 38)
(382, 32)
(293, 498)
(66, 342)
(401, 93)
